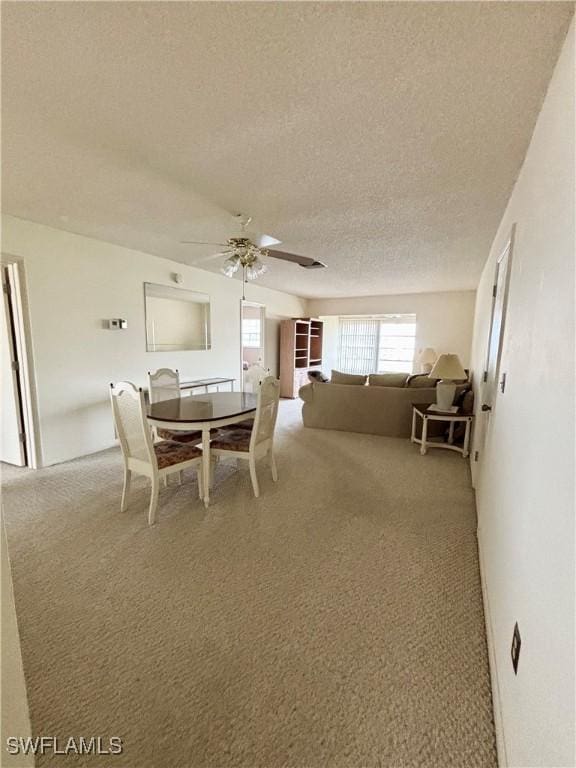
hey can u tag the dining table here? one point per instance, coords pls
(203, 412)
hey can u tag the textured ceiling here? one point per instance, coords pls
(381, 138)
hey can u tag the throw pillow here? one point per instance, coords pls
(387, 379)
(346, 378)
(317, 377)
(467, 403)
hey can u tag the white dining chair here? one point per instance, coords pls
(164, 384)
(257, 443)
(140, 453)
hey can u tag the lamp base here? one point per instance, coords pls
(445, 391)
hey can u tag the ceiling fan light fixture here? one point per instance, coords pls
(248, 251)
(230, 266)
(255, 269)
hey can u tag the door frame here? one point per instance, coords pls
(262, 307)
(23, 349)
(488, 388)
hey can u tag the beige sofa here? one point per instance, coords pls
(375, 410)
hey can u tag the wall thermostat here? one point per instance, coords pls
(117, 324)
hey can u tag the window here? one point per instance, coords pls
(382, 344)
(251, 332)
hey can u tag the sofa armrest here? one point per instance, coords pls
(306, 393)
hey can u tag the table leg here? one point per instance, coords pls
(413, 435)
(451, 433)
(424, 434)
(206, 464)
(466, 439)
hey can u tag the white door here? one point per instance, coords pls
(492, 380)
(12, 444)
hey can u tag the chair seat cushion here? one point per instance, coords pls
(179, 437)
(169, 453)
(232, 440)
(246, 424)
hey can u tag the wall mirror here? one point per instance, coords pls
(176, 319)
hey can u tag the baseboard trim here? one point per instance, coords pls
(496, 698)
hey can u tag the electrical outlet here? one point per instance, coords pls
(476, 455)
(515, 649)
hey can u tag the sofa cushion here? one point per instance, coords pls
(346, 378)
(372, 410)
(421, 380)
(387, 379)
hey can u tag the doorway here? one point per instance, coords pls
(17, 444)
(252, 341)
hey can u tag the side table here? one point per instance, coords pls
(423, 411)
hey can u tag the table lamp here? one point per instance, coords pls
(427, 359)
(448, 369)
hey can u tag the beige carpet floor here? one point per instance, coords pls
(335, 621)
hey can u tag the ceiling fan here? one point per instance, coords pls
(247, 250)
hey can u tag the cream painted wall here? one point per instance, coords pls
(525, 479)
(443, 320)
(74, 283)
(15, 713)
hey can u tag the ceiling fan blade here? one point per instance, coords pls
(194, 242)
(262, 241)
(302, 261)
(213, 256)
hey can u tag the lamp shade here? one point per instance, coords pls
(428, 355)
(448, 367)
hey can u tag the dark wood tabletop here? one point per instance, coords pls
(210, 407)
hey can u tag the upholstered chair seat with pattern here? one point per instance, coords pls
(194, 436)
(140, 453)
(164, 384)
(257, 442)
(232, 440)
(169, 453)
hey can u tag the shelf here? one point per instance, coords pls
(300, 351)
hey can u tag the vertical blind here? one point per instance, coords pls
(383, 344)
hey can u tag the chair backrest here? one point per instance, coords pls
(266, 411)
(129, 412)
(164, 384)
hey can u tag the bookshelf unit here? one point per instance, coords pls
(300, 352)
